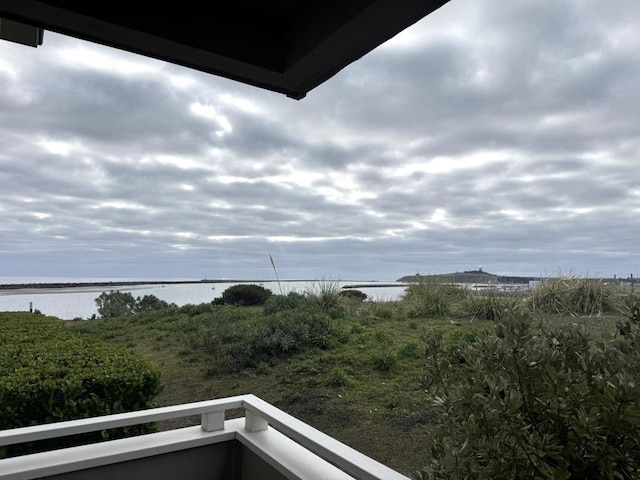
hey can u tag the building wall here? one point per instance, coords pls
(220, 461)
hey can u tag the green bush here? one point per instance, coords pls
(115, 304)
(198, 309)
(290, 301)
(121, 304)
(151, 303)
(237, 338)
(287, 332)
(245, 295)
(50, 374)
(351, 294)
(535, 401)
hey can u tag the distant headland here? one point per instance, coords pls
(471, 276)
(482, 277)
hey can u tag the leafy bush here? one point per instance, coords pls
(49, 374)
(115, 304)
(245, 295)
(150, 303)
(237, 338)
(288, 332)
(352, 294)
(534, 401)
(197, 309)
(290, 301)
(121, 304)
(432, 298)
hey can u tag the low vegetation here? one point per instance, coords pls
(120, 304)
(405, 381)
(530, 400)
(244, 295)
(49, 373)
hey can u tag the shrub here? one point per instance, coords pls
(432, 298)
(355, 295)
(280, 303)
(245, 295)
(115, 304)
(288, 332)
(50, 374)
(150, 303)
(239, 341)
(534, 401)
(197, 309)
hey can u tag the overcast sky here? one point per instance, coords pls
(501, 134)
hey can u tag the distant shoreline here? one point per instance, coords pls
(97, 286)
(66, 285)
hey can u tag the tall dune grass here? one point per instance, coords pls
(432, 298)
(574, 296)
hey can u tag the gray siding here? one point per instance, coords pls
(220, 461)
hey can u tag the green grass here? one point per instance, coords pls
(364, 390)
(363, 386)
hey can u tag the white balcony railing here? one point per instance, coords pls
(293, 448)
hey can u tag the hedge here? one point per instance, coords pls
(50, 374)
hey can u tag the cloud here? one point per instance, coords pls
(501, 134)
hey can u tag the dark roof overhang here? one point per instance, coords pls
(287, 46)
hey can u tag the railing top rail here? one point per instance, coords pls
(350, 460)
(86, 425)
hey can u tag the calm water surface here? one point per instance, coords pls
(80, 302)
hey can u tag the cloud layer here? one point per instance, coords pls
(504, 134)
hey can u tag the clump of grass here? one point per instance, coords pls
(357, 328)
(382, 337)
(572, 296)
(628, 304)
(379, 311)
(410, 350)
(384, 360)
(326, 294)
(432, 298)
(489, 306)
(339, 377)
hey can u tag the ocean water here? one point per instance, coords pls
(71, 303)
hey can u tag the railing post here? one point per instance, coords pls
(212, 421)
(254, 423)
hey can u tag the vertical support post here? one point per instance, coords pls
(212, 421)
(254, 423)
(30, 307)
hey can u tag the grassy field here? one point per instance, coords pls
(360, 379)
